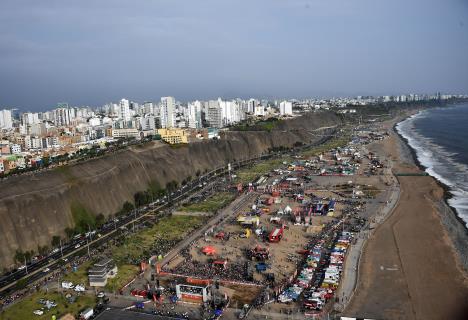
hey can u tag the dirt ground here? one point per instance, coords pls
(283, 254)
(409, 269)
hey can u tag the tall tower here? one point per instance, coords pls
(167, 112)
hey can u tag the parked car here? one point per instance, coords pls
(38, 312)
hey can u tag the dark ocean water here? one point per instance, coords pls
(440, 139)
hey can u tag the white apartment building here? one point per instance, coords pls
(6, 119)
(147, 122)
(259, 111)
(194, 115)
(29, 118)
(93, 122)
(285, 108)
(148, 108)
(62, 117)
(32, 142)
(167, 112)
(124, 110)
(251, 105)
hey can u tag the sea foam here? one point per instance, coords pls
(439, 163)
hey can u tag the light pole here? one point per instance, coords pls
(87, 240)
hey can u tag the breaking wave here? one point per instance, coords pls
(439, 162)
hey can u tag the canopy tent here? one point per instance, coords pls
(209, 250)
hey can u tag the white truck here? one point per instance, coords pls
(67, 285)
(87, 314)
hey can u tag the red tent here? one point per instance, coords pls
(209, 250)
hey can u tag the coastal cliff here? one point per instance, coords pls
(37, 206)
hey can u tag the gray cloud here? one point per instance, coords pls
(92, 52)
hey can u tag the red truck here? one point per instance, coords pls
(276, 235)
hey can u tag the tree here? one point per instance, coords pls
(19, 256)
(172, 186)
(43, 250)
(55, 241)
(127, 207)
(27, 255)
(69, 232)
(100, 219)
(141, 198)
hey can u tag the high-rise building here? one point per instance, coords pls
(61, 115)
(251, 104)
(214, 116)
(147, 123)
(285, 108)
(124, 110)
(167, 111)
(194, 115)
(29, 118)
(6, 120)
(148, 108)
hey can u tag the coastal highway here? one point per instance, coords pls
(78, 247)
(54, 261)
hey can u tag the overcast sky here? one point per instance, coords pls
(89, 52)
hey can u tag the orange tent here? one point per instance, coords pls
(209, 250)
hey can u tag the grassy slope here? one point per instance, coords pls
(24, 308)
(211, 204)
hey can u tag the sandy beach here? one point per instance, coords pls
(410, 268)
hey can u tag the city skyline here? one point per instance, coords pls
(92, 53)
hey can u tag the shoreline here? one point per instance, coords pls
(447, 192)
(449, 226)
(419, 245)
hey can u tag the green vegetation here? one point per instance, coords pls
(84, 219)
(213, 203)
(172, 186)
(263, 125)
(24, 309)
(335, 142)
(21, 256)
(80, 276)
(153, 192)
(139, 246)
(249, 174)
(125, 274)
(55, 242)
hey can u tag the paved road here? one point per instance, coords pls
(351, 267)
(53, 262)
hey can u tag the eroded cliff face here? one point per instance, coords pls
(35, 207)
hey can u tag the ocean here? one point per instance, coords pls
(439, 138)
